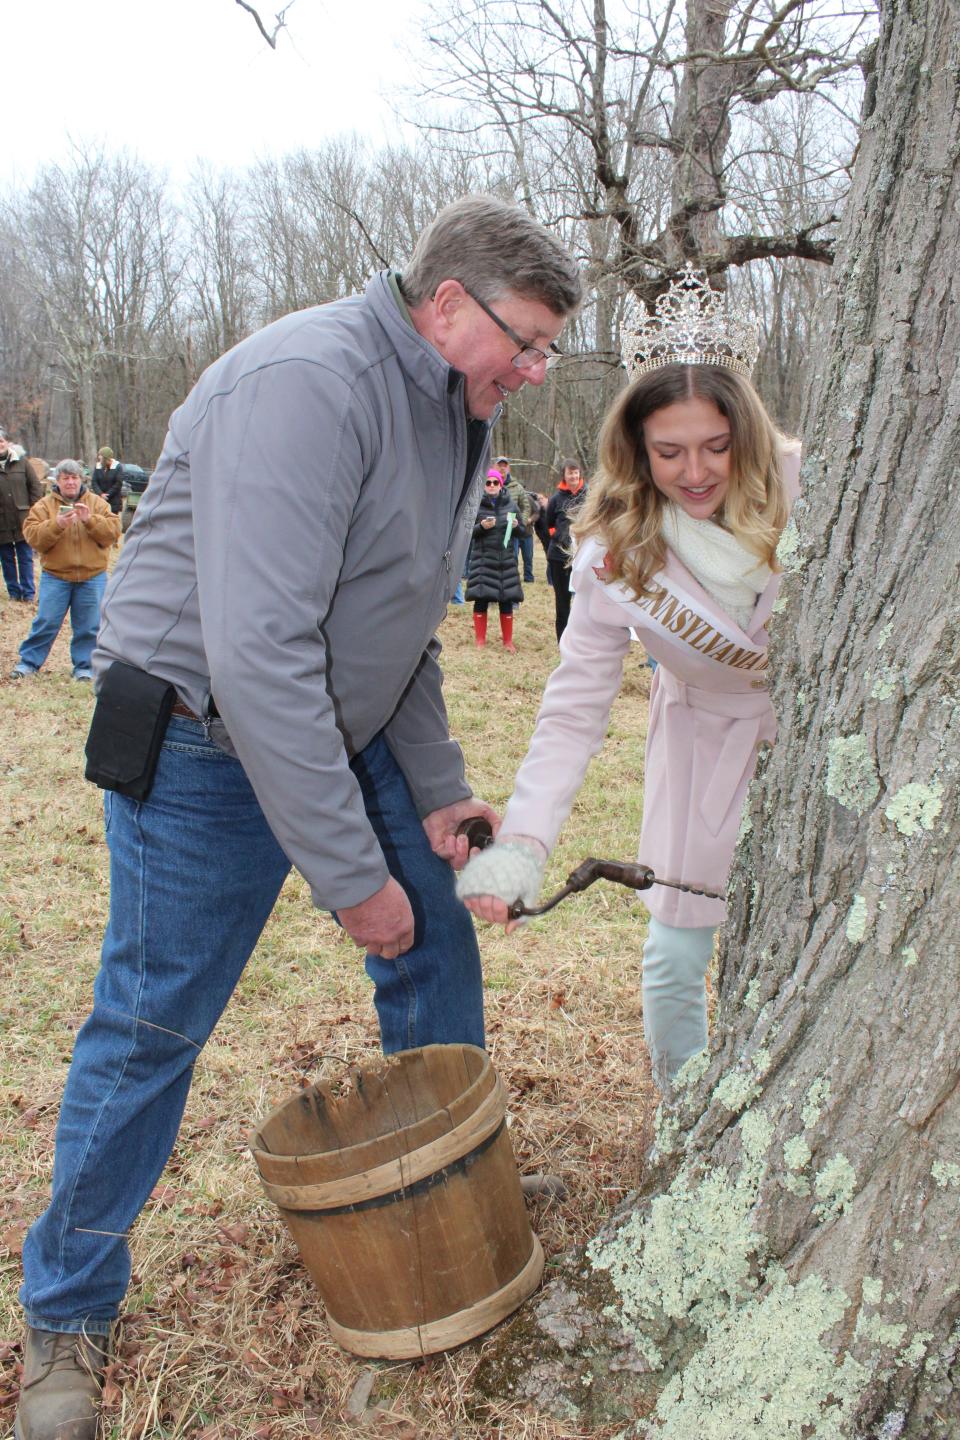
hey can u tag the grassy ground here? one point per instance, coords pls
(224, 1335)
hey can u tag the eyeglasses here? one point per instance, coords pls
(528, 355)
(492, 484)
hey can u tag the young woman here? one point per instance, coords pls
(492, 572)
(676, 548)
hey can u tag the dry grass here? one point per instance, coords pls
(223, 1334)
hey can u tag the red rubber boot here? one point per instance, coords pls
(506, 630)
(480, 627)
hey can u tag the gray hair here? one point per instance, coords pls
(491, 247)
(69, 467)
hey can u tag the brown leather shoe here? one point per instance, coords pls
(62, 1375)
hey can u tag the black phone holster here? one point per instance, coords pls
(126, 732)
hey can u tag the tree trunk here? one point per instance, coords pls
(701, 130)
(792, 1271)
(84, 428)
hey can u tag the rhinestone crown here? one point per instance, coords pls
(691, 325)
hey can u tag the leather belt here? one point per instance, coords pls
(180, 709)
(184, 710)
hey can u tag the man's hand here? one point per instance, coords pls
(81, 511)
(66, 517)
(441, 827)
(382, 925)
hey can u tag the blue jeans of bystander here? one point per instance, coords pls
(194, 873)
(523, 548)
(16, 557)
(82, 599)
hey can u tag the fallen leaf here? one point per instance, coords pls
(235, 1234)
(110, 1395)
(164, 1196)
(12, 1237)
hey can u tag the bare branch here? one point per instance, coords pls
(280, 17)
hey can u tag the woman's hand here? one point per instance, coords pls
(492, 909)
(500, 876)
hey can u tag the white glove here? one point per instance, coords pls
(511, 869)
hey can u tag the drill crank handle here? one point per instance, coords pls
(634, 877)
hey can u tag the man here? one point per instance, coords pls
(563, 504)
(73, 531)
(20, 487)
(523, 535)
(107, 479)
(299, 542)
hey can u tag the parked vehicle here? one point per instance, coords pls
(135, 480)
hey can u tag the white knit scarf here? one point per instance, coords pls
(727, 570)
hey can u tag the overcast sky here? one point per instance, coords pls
(173, 80)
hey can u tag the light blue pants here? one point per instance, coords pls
(674, 996)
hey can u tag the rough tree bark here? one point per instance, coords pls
(791, 1270)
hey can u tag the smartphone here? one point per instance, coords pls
(66, 509)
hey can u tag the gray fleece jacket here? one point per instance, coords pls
(294, 552)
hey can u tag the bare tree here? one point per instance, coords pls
(788, 175)
(24, 388)
(220, 268)
(93, 242)
(312, 239)
(790, 1270)
(719, 131)
(662, 85)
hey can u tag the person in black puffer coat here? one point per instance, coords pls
(493, 573)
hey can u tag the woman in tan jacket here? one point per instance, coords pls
(73, 530)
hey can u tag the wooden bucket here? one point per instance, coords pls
(402, 1194)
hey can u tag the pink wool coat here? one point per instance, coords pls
(709, 711)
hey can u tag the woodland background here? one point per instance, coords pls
(643, 134)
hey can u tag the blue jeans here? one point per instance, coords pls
(17, 560)
(82, 598)
(194, 874)
(523, 546)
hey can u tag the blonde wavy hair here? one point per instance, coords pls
(624, 508)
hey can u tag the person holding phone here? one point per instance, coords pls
(493, 573)
(73, 531)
